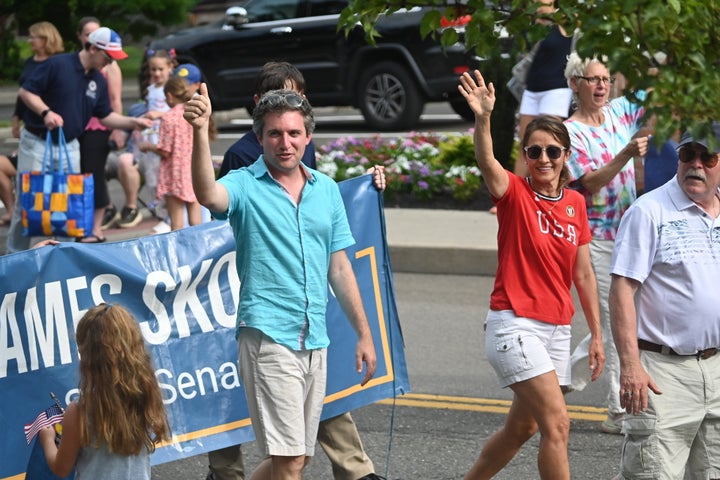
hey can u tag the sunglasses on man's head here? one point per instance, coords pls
(553, 152)
(291, 99)
(688, 154)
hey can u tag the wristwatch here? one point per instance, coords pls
(44, 112)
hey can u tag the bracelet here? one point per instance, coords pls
(44, 112)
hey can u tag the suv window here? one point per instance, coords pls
(389, 83)
(326, 7)
(269, 10)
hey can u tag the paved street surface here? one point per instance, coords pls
(436, 432)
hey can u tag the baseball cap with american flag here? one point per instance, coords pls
(107, 39)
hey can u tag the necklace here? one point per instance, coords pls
(542, 200)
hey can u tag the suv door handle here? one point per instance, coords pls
(281, 30)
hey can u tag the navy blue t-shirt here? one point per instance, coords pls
(547, 71)
(28, 68)
(246, 151)
(77, 96)
(660, 165)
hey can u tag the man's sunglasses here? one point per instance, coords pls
(291, 99)
(688, 154)
(553, 152)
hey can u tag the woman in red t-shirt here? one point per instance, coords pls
(543, 248)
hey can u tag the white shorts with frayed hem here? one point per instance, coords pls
(521, 348)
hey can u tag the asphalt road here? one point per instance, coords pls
(331, 123)
(437, 430)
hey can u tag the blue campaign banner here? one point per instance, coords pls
(183, 289)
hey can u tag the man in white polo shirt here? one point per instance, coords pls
(665, 320)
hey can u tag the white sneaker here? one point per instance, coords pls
(161, 227)
(613, 424)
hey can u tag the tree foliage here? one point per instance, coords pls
(669, 46)
(133, 19)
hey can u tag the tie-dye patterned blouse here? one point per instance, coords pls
(594, 147)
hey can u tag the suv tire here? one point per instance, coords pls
(462, 108)
(389, 98)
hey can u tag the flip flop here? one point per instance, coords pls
(90, 239)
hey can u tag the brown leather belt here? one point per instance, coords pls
(654, 347)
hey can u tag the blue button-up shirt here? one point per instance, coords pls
(283, 253)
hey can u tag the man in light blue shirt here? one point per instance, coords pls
(286, 250)
(291, 230)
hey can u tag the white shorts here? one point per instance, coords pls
(551, 102)
(285, 391)
(520, 348)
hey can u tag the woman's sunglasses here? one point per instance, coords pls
(688, 154)
(553, 152)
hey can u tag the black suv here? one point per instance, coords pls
(390, 83)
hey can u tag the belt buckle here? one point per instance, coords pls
(707, 353)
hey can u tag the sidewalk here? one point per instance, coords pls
(442, 241)
(420, 241)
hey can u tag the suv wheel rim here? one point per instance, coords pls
(386, 96)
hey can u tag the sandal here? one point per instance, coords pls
(90, 239)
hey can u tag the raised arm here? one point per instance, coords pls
(597, 179)
(481, 100)
(344, 284)
(208, 192)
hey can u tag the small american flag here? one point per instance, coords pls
(46, 418)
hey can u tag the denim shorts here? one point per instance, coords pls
(520, 348)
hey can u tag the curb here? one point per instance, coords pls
(443, 261)
(407, 230)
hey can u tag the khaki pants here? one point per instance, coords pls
(677, 436)
(338, 437)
